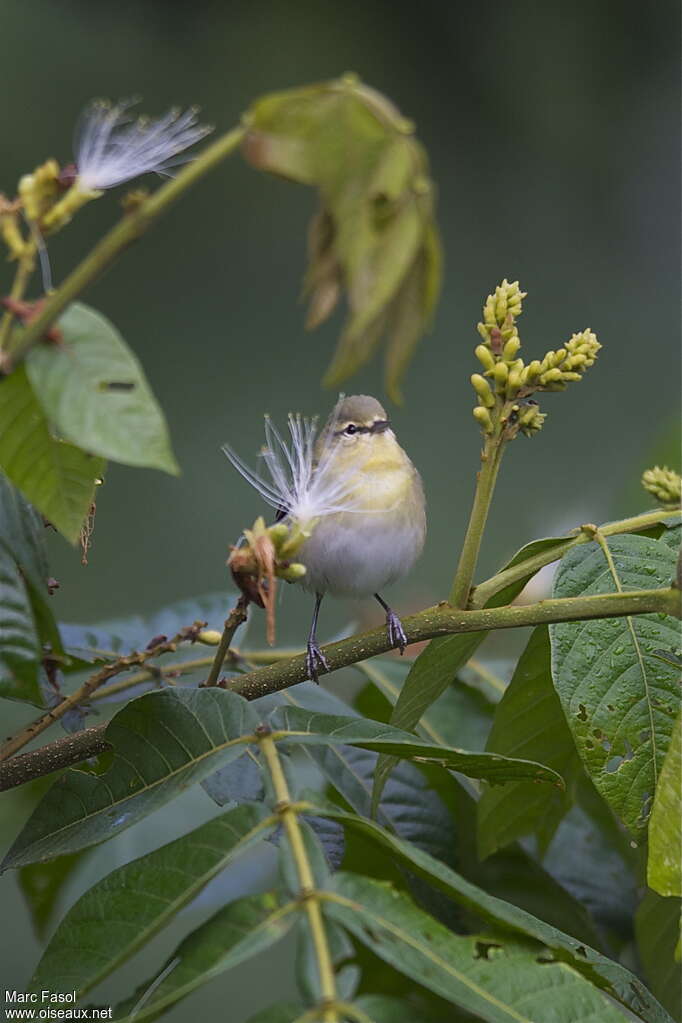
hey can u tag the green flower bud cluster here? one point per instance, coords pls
(563, 366)
(286, 541)
(664, 484)
(506, 380)
(500, 310)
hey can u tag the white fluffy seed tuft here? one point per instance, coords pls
(113, 147)
(302, 484)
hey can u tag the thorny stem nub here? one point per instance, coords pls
(288, 815)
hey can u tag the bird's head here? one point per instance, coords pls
(359, 431)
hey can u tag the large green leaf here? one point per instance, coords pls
(609, 975)
(234, 934)
(94, 390)
(23, 541)
(461, 716)
(658, 924)
(375, 236)
(529, 723)
(409, 804)
(511, 874)
(43, 883)
(163, 742)
(123, 911)
(439, 663)
(499, 977)
(20, 651)
(308, 727)
(664, 868)
(620, 700)
(57, 477)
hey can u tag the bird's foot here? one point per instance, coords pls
(396, 633)
(315, 661)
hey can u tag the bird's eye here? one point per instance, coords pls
(351, 429)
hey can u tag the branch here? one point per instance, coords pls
(435, 621)
(485, 591)
(66, 752)
(133, 225)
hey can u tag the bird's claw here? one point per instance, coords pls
(315, 661)
(396, 633)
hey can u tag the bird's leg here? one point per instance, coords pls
(394, 627)
(314, 658)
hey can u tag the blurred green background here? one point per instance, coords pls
(553, 133)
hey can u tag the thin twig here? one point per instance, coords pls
(134, 659)
(21, 278)
(236, 617)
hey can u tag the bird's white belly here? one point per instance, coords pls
(356, 554)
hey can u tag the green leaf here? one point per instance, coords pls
(137, 900)
(609, 975)
(107, 640)
(384, 1009)
(664, 868)
(591, 857)
(439, 663)
(500, 978)
(236, 933)
(163, 742)
(42, 884)
(23, 538)
(529, 723)
(463, 714)
(20, 651)
(619, 699)
(58, 478)
(341, 952)
(307, 727)
(94, 390)
(375, 235)
(658, 925)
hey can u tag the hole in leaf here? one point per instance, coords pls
(609, 706)
(581, 951)
(597, 733)
(484, 949)
(582, 712)
(613, 764)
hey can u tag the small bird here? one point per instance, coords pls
(360, 498)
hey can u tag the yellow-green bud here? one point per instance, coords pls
(532, 371)
(559, 356)
(292, 573)
(482, 388)
(531, 420)
(278, 533)
(551, 376)
(483, 331)
(483, 417)
(514, 382)
(511, 348)
(209, 637)
(500, 373)
(485, 357)
(664, 484)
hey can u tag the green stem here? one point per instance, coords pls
(485, 591)
(236, 617)
(133, 225)
(485, 486)
(25, 268)
(288, 815)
